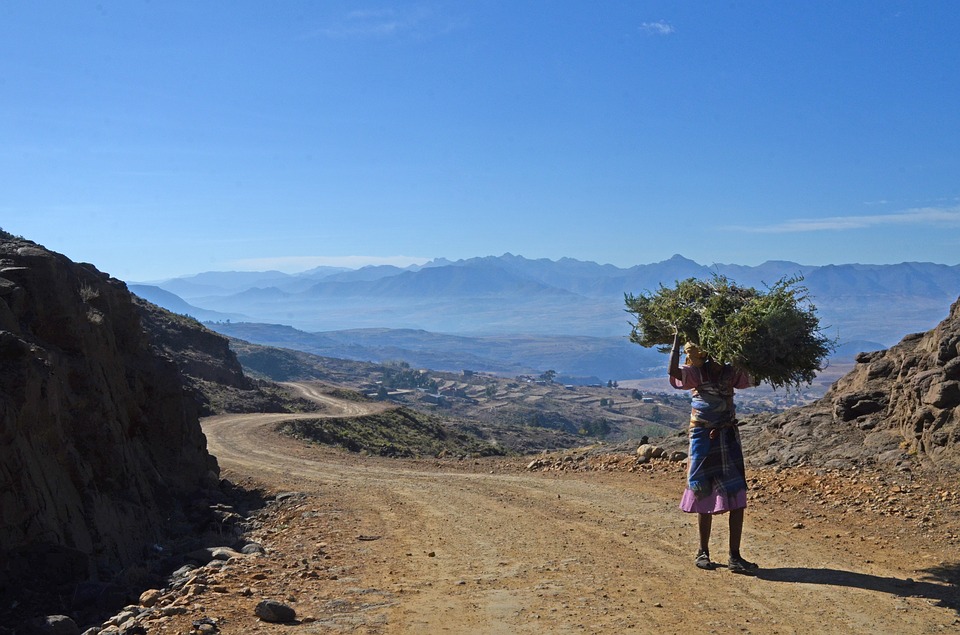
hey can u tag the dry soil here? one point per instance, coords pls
(596, 545)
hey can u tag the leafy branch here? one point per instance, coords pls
(774, 335)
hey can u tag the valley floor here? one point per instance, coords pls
(369, 545)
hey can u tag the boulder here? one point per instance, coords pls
(54, 625)
(149, 598)
(252, 548)
(273, 611)
(650, 451)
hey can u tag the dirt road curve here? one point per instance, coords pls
(487, 547)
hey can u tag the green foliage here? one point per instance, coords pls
(600, 428)
(774, 334)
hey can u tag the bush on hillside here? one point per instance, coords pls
(774, 335)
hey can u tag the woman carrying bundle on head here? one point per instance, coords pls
(716, 478)
(736, 337)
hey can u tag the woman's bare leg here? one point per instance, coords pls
(736, 531)
(704, 524)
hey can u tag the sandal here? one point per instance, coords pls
(703, 560)
(739, 565)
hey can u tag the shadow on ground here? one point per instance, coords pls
(940, 584)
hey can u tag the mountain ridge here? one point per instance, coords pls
(560, 273)
(511, 294)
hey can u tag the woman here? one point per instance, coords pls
(716, 479)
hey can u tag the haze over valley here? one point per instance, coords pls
(510, 314)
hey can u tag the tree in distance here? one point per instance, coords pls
(774, 335)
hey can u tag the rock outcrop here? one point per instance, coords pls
(898, 406)
(200, 353)
(211, 372)
(100, 444)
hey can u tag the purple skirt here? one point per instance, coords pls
(713, 503)
(716, 478)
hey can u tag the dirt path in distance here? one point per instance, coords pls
(374, 545)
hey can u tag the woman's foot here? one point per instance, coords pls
(703, 560)
(738, 565)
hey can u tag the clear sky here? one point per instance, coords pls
(157, 139)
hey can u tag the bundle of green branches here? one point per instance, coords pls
(774, 335)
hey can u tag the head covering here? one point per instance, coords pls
(692, 349)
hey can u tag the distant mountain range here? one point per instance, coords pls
(865, 306)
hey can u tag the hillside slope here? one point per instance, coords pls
(578, 359)
(211, 373)
(899, 406)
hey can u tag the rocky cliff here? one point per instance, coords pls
(899, 406)
(211, 371)
(100, 443)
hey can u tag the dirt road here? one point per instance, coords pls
(387, 546)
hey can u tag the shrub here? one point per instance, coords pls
(774, 335)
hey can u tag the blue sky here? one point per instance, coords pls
(157, 139)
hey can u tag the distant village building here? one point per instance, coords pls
(436, 399)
